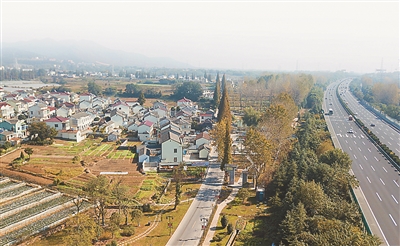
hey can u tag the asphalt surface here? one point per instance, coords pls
(378, 179)
(191, 228)
(385, 133)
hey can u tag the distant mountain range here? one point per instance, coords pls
(82, 51)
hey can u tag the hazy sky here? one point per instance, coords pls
(323, 35)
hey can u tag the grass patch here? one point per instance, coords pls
(246, 215)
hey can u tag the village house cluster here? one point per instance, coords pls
(167, 135)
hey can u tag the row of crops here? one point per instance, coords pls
(26, 209)
(40, 225)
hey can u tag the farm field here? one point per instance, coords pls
(70, 162)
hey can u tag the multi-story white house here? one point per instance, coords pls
(81, 121)
(6, 110)
(107, 127)
(161, 111)
(59, 123)
(133, 126)
(61, 96)
(85, 104)
(39, 111)
(14, 125)
(100, 103)
(184, 102)
(64, 111)
(145, 130)
(137, 108)
(29, 102)
(171, 148)
(86, 97)
(17, 105)
(119, 117)
(151, 117)
(204, 116)
(122, 106)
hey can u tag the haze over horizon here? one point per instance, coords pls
(356, 36)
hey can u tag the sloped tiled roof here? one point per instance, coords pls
(57, 119)
(169, 135)
(184, 100)
(203, 135)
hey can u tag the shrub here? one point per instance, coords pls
(229, 228)
(224, 221)
(128, 231)
(146, 207)
(113, 243)
(218, 237)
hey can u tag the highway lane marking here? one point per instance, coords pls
(395, 199)
(368, 180)
(378, 196)
(369, 149)
(376, 158)
(355, 156)
(391, 138)
(355, 142)
(346, 141)
(359, 149)
(363, 142)
(382, 181)
(373, 168)
(384, 169)
(394, 222)
(365, 158)
(389, 143)
(361, 167)
(383, 137)
(350, 148)
(396, 183)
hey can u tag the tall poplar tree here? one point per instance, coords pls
(227, 154)
(217, 92)
(224, 109)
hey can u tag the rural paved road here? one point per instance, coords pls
(190, 229)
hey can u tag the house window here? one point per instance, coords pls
(31, 112)
(56, 125)
(175, 159)
(175, 150)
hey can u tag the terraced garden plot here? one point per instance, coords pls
(15, 192)
(39, 225)
(121, 154)
(72, 148)
(7, 184)
(30, 212)
(98, 150)
(25, 200)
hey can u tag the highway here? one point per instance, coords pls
(190, 229)
(382, 130)
(378, 179)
